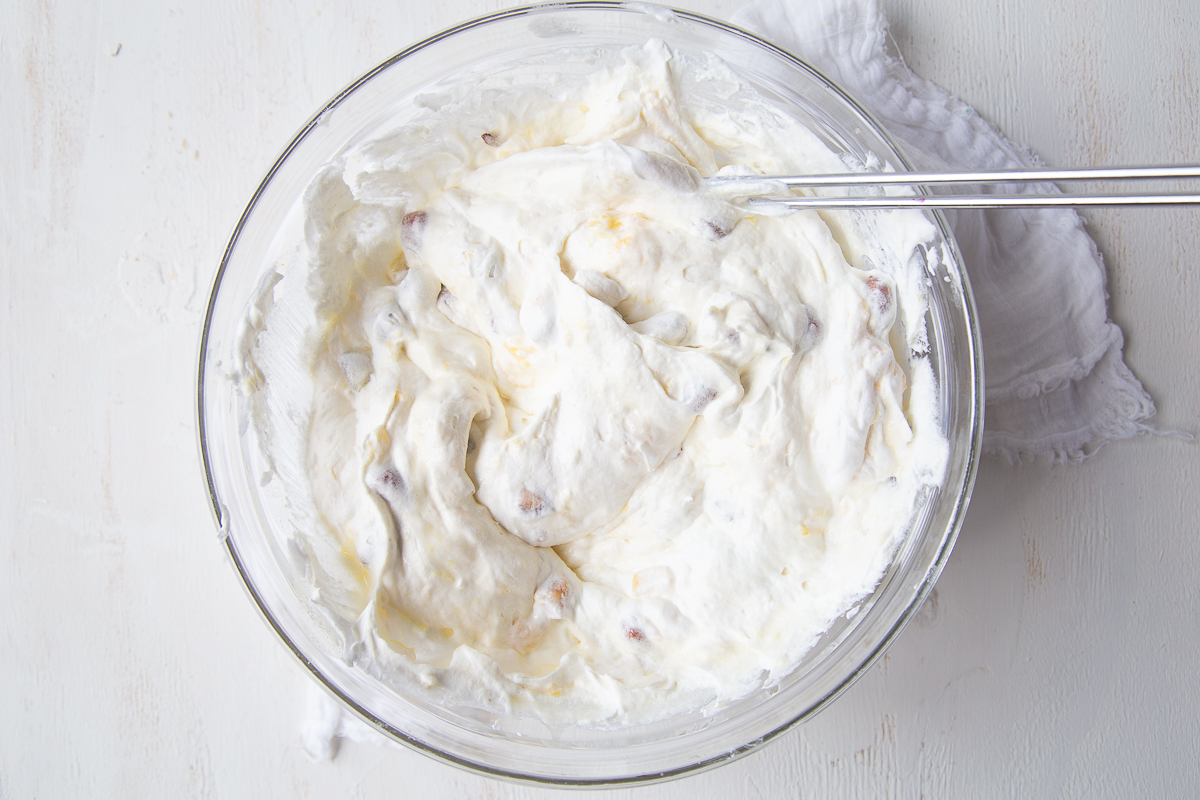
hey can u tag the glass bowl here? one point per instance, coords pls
(256, 520)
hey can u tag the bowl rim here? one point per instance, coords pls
(975, 413)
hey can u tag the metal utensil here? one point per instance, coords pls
(923, 198)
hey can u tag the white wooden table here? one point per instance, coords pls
(1058, 657)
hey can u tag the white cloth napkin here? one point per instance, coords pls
(327, 722)
(1056, 384)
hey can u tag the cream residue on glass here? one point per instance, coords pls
(589, 440)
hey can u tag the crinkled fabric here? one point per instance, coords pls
(327, 723)
(1056, 384)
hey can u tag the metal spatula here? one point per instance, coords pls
(924, 181)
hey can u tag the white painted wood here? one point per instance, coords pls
(1058, 657)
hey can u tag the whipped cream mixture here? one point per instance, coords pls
(591, 441)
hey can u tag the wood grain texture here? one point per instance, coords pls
(1057, 657)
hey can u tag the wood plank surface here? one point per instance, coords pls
(1057, 657)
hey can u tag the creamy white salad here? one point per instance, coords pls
(590, 440)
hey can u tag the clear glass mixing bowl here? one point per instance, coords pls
(254, 518)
